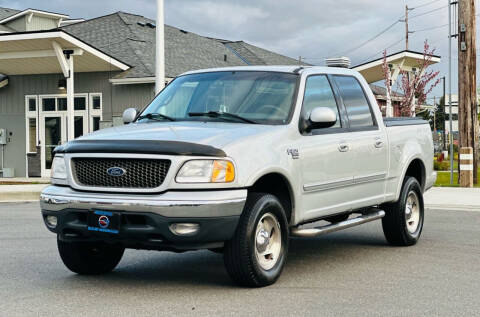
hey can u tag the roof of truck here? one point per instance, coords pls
(278, 68)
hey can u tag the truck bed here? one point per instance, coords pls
(394, 122)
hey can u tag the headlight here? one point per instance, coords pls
(206, 171)
(58, 170)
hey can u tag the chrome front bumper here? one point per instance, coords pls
(178, 204)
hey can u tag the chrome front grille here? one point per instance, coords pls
(137, 173)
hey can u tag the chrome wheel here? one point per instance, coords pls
(268, 241)
(412, 212)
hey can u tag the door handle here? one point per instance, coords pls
(378, 143)
(343, 147)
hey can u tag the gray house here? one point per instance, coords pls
(53, 68)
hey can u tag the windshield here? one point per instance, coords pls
(259, 97)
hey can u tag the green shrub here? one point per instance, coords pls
(441, 166)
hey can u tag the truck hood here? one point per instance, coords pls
(216, 134)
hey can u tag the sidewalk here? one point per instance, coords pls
(23, 180)
(453, 198)
(20, 193)
(446, 198)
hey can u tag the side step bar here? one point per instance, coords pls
(373, 214)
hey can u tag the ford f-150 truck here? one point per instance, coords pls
(238, 160)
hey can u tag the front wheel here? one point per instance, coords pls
(89, 258)
(403, 221)
(257, 253)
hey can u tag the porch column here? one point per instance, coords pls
(70, 100)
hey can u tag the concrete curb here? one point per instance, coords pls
(453, 207)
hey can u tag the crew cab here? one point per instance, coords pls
(238, 160)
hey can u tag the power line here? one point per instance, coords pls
(425, 4)
(369, 40)
(431, 28)
(386, 48)
(428, 12)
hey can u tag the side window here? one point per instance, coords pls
(318, 93)
(355, 101)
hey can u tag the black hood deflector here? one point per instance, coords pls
(139, 147)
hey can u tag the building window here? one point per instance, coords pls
(32, 104)
(96, 123)
(32, 135)
(78, 128)
(79, 103)
(48, 104)
(62, 104)
(96, 102)
(454, 117)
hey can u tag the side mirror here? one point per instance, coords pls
(129, 115)
(321, 117)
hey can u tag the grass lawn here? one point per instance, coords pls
(443, 179)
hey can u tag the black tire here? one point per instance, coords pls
(239, 254)
(395, 221)
(337, 218)
(89, 258)
(216, 250)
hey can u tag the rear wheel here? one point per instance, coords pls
(89, 258)
(257, 253)
(403, 221)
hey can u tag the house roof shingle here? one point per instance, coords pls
(6, 12)
(382, 91)
(128, 38)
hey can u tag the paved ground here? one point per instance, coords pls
(353, 272)
(449, 198)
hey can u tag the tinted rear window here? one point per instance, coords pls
(355, 101)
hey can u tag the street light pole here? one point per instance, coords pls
(450, 134)
(444, 112)
(159, 49)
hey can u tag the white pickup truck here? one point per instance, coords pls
(238, 160)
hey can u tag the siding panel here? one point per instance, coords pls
(12, 104)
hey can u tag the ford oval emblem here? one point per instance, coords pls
(116, 171)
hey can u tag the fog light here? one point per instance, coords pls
(184, 229)
(51, 221)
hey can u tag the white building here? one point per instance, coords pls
(454, 114)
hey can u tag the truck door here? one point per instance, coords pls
(327, 169)
(368, 145)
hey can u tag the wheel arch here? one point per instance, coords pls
(415, 168)
(277, 184)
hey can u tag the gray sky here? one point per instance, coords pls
(312, 29)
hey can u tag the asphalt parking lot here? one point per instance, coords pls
(353, 272)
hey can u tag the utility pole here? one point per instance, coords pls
(300, 60)
(435, 115)
(467, 97)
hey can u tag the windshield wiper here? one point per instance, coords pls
(219, 114)
(156, 116)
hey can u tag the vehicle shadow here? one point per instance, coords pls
(204, 268)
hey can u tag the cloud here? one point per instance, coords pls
(314, 29)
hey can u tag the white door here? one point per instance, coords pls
(326, 159)
(52, 134)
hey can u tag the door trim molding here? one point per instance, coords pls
(343, 182)
(370, 178)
